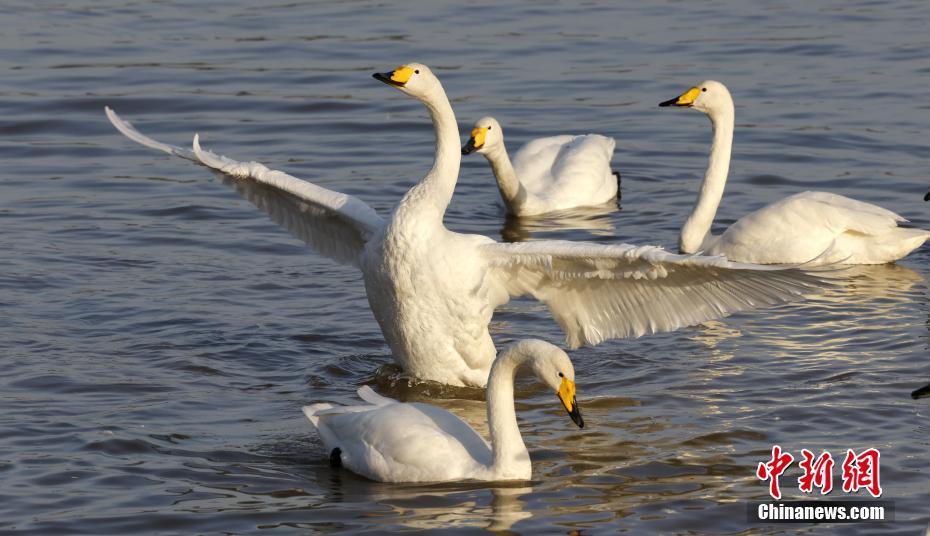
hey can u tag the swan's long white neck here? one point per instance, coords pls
(503, 170)
(509, 453)
(695, 234)
(432, 195)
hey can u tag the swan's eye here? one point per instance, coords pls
(703, 89)
(489, 128)
(418, 72)
(561, 375)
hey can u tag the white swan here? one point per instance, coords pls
(433, 291)
(390, 441)
(829, 227)
(547, 174)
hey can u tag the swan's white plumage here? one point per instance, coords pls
(802, 226)
(598, 292)
(549, 174)
(334, 224)
(391, 441)
(433, 291)
(399, 442)
(829, 227)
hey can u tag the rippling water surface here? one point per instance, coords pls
(159, 334)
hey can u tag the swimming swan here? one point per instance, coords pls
(547, 174)
(390, 441)
(433, 291)
(796, 229)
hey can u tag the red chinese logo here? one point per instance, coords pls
(772, 469)
(859, 471)
(862, 472)
(817, 472)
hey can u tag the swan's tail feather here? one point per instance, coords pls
(911, 239)
(126, 128)
(369, 395)
(312, 412)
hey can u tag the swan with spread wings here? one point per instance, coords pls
(433, 291)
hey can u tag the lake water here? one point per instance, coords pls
(159, 334)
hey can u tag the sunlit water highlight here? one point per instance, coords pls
(159, 334)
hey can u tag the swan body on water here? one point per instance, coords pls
(433, 291)
(390, 441)
(827, 227)
(547, 174)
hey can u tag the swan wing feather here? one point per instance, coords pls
(334, 224)
(598, 292)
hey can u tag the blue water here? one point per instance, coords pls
(159, 334)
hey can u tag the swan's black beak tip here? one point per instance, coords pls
(575, 414)
(927, 197)
(469, 147)
(386, 78)
(670, 102)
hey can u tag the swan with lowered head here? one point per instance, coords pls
(390, 441)
(547, 174)
(827, 227)
(433, 291)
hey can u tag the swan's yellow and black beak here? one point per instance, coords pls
(476, 141)
(397, 78)
(686, 99)
(567, 396)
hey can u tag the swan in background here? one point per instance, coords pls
(810, 225)
(433, 291)
(547, 174)
(390, 441)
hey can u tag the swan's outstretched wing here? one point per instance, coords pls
(335, 225)
(598, 292)
(126, 128)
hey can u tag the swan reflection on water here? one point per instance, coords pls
(438, 508)
(492, 506)
(596, 220)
